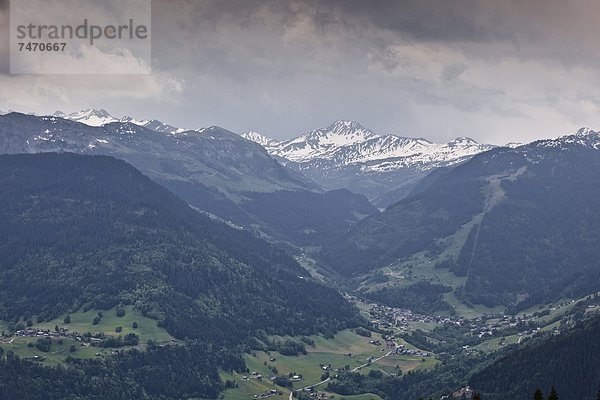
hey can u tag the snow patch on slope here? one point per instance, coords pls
(101, 117)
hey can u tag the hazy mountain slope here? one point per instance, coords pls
(532, 212)
(93, 230)
(309, 218)
(410, 226)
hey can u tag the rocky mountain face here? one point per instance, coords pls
(383, 167)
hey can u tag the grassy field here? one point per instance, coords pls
(365, 396)
(332, 352)
(492, 345)
(246, 388)
(81, 322)
(424, 326)
(58, 350)
(345, 342)
(470, 312)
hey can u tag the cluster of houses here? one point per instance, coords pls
(489, 325)
(30, 332)
(391, 317)
(402, 350)
(60, 333)
(319, 395)
(463, 393)
(267, 394)
(253, 375)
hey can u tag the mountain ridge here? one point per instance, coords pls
(97, 118)
(345, 154)
(325, 144)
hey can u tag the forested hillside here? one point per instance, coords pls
(93, 231)
(309, 218)
(409, 226)
(531, 215)
(569, 362)
(171, 372)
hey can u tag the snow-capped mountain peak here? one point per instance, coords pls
(340, 133)
(89, 117)
(321, 142)
(343, 127)
(154, 124)
(258, 138)
(585, 132)
(102, 117)
(513, 145)
(583, 137)
(345, 143)
(462, 141)
(341, 154)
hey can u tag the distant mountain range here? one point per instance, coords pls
(213, 169)
(383, 167)
(213, 156)
(344, 155)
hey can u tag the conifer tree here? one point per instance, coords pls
(553, 394)
(539, 395)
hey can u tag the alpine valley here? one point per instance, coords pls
(139, 260)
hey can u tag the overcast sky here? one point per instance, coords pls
(496, 71)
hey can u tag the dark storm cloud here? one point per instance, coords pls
(493, 70)
(425, 20)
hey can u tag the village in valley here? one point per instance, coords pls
(396, 341)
